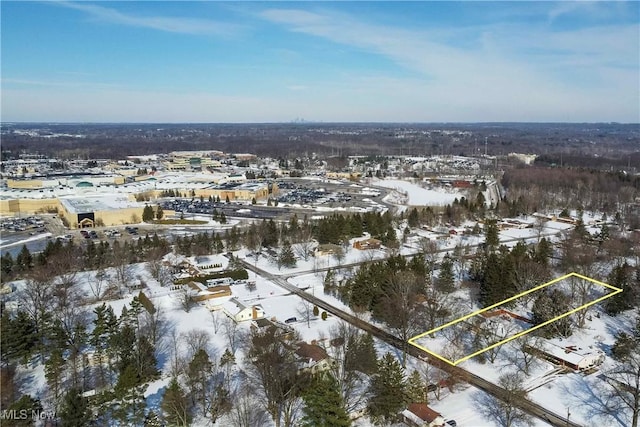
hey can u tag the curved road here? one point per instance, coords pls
(526, 405)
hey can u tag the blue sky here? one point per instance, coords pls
(322, 61)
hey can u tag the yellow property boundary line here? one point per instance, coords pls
(537, 288)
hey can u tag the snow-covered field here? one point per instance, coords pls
(418, 196)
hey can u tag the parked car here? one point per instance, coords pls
(452, 423)
(291, 320)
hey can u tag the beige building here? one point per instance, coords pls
(351, 176)
(239, 191)
(107, 210)
(28, 206)
(193, 160)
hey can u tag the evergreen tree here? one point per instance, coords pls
(388, 390)
(416, 389)
(548, 305)
(329, 280)
(123, 344)
(269, 232)
(146, 359)
(130, 406)
(199, 373)
(27, 404)
(543, 252)
(75, 411)
(286, 257)
(24, 260)
(6, 265)
(324, 406)
(19, 338)
(152, 419)
(491, 235)
(175, 405)
(413, 219)
(361, 355)
(491, 280)
(53, 371)
(446, 281)
(625, 344)
(622, 277)
(159, 212)
(5, 332)
(147, 213)
(127, 379)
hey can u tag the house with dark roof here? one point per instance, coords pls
(313, 358)
(420, 415)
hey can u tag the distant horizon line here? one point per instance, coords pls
(297, 123)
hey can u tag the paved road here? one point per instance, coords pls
(526, 405)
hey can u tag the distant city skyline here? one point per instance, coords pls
(176, 62)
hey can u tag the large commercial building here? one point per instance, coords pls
(107, 210)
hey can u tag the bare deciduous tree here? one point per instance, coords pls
(429, 248)
(402, 312)
(185, 297)
(503, 411)
(154, 325)
(246, 411)
(304, 310)
(196, 339)
(491, 333)
(232, 333)
(624, 386)
(525, 350)
(339, 255)
(352, 383)
(72, 318)
(36, 299)
(275, 372)
(97, 283)
(304, 245)
(216, 321)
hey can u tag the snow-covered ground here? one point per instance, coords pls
(416, 195)
(573, 391)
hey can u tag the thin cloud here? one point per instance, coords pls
(30, 82)
(511, 65)
(432, 53)
(161, 23)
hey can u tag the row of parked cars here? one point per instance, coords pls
(112, 233)
(23, 224)
(91, 234)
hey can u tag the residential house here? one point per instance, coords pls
(420, 415)
(571, 356)
(327, 249)
(367, 244)
(238, 310)
(313, 358)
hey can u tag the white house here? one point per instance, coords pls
(573, 356)
(239, 310)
